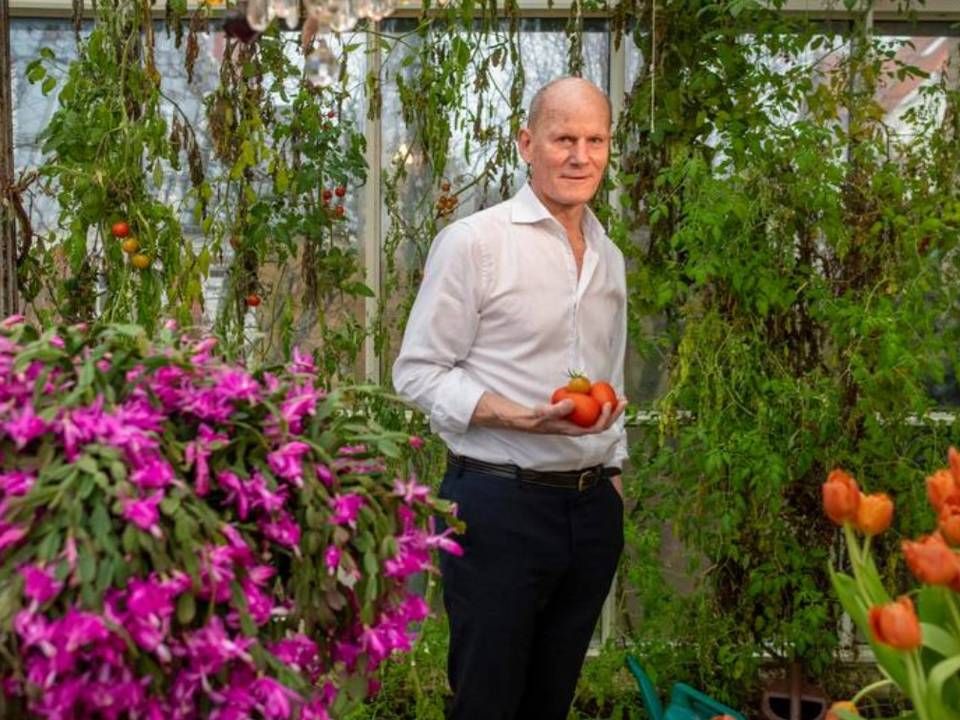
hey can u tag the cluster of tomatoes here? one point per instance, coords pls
(446, 203)
(130, 245)
(340, 192)
(588, 398)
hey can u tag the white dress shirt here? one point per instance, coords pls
(501, 309)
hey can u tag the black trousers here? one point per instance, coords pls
(524, 599)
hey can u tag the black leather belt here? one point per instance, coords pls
(573, 479)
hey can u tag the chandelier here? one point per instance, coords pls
(320, 17)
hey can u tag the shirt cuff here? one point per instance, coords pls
(456, 399)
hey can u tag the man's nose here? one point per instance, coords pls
(578, 153)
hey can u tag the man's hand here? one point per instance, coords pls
(549, 419)
(497, 411)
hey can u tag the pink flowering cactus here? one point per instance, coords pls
(182, 539)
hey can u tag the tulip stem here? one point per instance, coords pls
(869, 689)
(856, 561)
(954, 613)
(917, 689)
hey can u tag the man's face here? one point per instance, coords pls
(568, 149)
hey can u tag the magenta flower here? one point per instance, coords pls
(275, 698)
(16, 482)
(283, 530)
(411, 491)
(345, 508)
(286, 461)
(331, 558)
(153, 472)
(143, 512)
(325, 475)
(39, 583)
(197, 453)
(10, 535)
(25, 426)
(236, 384)
(416, 442)
(302, 363)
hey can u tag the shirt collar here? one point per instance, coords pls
(527, 210)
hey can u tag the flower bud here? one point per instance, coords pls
(931, 560)
(949, 521)
(941, 486)
(842, 705)
(954, 459)
(841, 497)
(896, 624)
(874, 513)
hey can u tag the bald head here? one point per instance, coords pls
(557, 95)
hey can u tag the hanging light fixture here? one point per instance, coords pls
(335, 15)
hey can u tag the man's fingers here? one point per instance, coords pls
(555, 410)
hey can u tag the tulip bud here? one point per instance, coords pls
(896, 624)
(841, 497)
(874, 513)
(843, 705)
(930, 560)
(940, 487)
(954, 459)
(949, 521)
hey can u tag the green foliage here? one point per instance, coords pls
(107, 152)
(801, 258)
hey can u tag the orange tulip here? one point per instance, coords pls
(896, 624)
(874, 513)
(931, 560)
(954, 458)
(949, 521)
(941, 486)
(841, 497)
(843, 705)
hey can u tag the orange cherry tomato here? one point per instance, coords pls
(140, 262)
(130, 245)
(578, 383)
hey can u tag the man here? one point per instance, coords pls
(512, 298)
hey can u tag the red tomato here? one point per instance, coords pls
(585, 411)
(120, 229)
(340, 191)
(252, 300)
(603, 392)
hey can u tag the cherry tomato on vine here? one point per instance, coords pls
(340, 191)
(603, 392)
(140, 261)
(120, 229)
(252, 300)
(327, 194)
(339, 211)
(445, 186)
(130, 245)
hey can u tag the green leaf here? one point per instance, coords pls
(86, 564)
(186, 608)
(939, 675)
(48, 85)
(939, 640)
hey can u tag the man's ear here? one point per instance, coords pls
(523, 144)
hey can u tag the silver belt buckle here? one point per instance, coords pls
(584, 476)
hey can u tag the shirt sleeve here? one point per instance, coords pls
(440, 332)
(620, 451)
